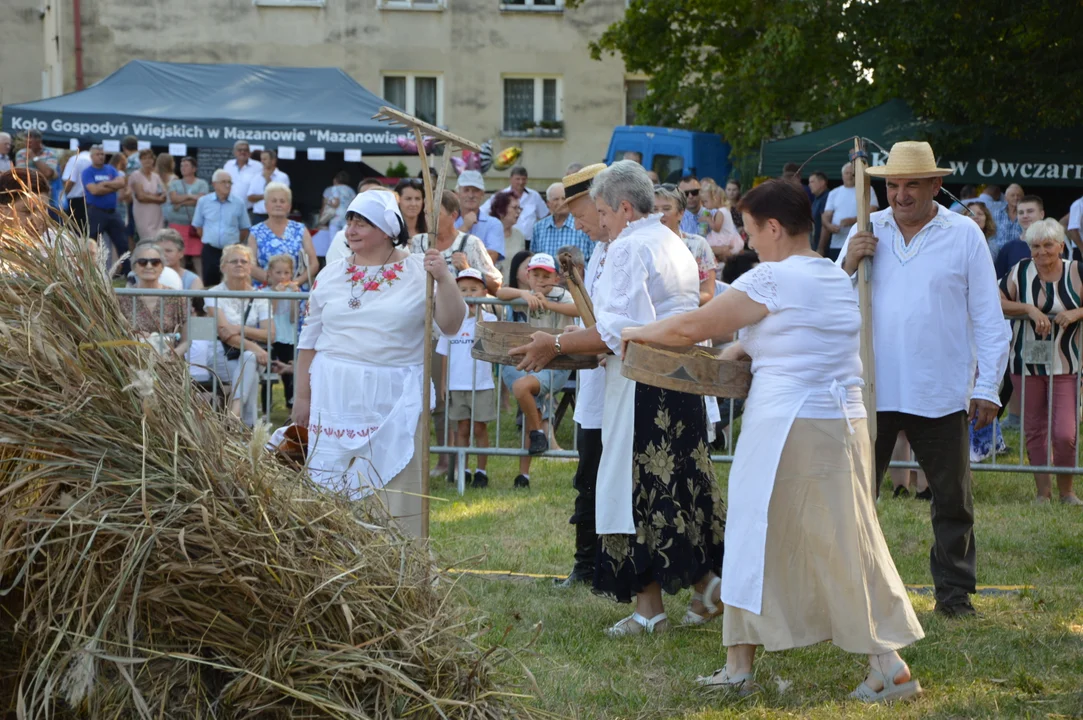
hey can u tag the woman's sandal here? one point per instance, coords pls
(890, 692)
(742, 684)
(692, 618)
(636, 624)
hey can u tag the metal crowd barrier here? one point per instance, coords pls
(205, 328)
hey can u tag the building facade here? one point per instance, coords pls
(518, 72)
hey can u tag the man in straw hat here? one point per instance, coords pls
(934, 294)
(591, 383)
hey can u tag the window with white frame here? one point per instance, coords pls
(411, 4)
(418, 94)
(540, 5)
(634, 91)
(531, 102)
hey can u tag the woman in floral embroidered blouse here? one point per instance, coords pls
(360, 357)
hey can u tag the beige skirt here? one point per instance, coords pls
(402, 496)
(828, 574)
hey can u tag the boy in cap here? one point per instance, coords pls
(551, 307)
(472, 394)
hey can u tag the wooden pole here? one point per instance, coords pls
(864, 289)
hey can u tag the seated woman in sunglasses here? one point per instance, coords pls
(159, 320)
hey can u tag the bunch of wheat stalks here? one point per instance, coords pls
(157, 562)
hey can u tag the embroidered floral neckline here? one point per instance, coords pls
(371, 281)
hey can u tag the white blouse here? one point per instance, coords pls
(385, 326)
(591, 397)
(811, 334)
(649, 275)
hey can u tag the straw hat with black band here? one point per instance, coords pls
(578, 183)
(909, 159)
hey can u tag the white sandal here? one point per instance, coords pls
(692, 618)
(721, 679)
(890, 692)
(636, 624)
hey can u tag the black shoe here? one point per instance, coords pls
(901, 492)
(578, 576)
(926, 495)
(481, 479)
(956, 610)
(522, 481)
(538, 442)
(451, 477)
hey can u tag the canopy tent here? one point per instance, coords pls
(213, 106)
(1047, 158)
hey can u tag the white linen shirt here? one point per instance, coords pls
(590, 400)
(843, 201)
(256, 186)
(649, 275)
(1075, 215)
(533, 209)
(241, 178)
(73, 171)
(929, 299)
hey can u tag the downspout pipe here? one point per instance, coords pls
(77, 12)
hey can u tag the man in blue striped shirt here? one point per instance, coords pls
(558, 228)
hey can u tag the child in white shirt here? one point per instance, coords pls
(472, 394)
(552, 307)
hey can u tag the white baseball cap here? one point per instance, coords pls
(471, 178)
(544, 261)
(470, 274)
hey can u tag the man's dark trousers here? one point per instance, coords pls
(942, 448)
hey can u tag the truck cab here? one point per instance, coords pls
(673, 153)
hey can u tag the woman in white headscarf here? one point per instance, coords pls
(360, 358)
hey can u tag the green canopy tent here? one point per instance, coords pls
(1050, 158)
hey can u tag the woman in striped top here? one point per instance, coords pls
(1046, 350)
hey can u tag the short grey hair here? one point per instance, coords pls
(624, 180)
(573, 168)
(671, 193)
(844, 166)
(5, 136)
(144, 245)
(241, 142)
(555, 186)
(219, 174)
(169, 235)
(1048, 229)
(578, 258)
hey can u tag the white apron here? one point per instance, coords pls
(362, 422)
(613, 496)
(772, 406)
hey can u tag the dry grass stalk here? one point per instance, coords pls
(152, 565)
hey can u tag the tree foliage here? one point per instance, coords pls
(749, 68)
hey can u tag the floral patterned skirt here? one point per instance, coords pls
(676, 505)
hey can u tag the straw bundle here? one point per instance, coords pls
(155, 561)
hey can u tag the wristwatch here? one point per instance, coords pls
(556, 345)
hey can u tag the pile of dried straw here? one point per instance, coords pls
(156, 562)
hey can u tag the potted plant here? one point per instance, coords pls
(552, 128)
(528, 126)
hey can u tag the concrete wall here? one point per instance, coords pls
(472, 44)
(22, 50)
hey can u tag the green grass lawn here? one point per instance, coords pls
(1022, 658)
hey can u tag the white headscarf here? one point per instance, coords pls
(381, 209)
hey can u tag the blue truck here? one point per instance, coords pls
(673, 153)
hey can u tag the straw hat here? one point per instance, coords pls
(578, 183)
(909, 159)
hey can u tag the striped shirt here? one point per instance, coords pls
(1023, 285)
(548, 238)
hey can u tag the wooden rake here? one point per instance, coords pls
(451, 143)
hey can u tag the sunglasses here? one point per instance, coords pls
(693, 192)
(153, 262)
